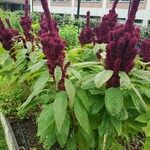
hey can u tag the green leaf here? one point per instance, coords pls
(50, 137)
(71, 143)
(123, 115)
(59, 109)
(75, 73)
(117, 125)
(38, 88)
(89, 138)
(102, 77)
(84, 98)
(124, 79)
(147, 129)
(103, 127)
(4, 56)
(143, 118)
(114, 101)
(37, 66)
(82, 116)
(82, 143)
(45, 119)
(98, 103)
(146, 91)
(139, 96)
(57, 74)
(70, 90)
(147, 144)
(142, 74)
(98, 47)
(43, 99)
(63, 135)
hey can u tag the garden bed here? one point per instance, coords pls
(25, 132)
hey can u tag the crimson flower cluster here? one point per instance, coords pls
(53, 46)
(7, 37)
(86, 36)
(26, 23)
(44, 25)
(121, 50)
(145, 50)
(108, 23)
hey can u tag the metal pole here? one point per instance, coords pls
(78, 9)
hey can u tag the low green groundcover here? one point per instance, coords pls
(3, 145)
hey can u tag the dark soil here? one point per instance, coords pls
(25, 131)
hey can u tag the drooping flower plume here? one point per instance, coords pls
(26, 23)
(7, 37)
(145, 50)
(86, 36)
(53, 46)
(121, 50)
(107, 24)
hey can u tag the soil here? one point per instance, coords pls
(25, 131)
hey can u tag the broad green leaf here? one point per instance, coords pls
(143, 118)
(103, 127)
(45, 119)
(145, 91)
(114, 101)
(60, 109)
(98, 103)
(117, 125)
(71, 143)
(84, 98)
(142, 74)
(102, 77)
(147, 129)
(57, 74)
(50, 137)
(63, 135)
(75, 73)
(123, 115)
(82, 116)
(98, 47)
(139, 95)
(116, 146)
(147, 144)
(89, 138)
(3, 57)
(82, 143)
(124, 79)
(70, 90)
(38, 88)
(43, 99)
(37, 66)
(88, 82)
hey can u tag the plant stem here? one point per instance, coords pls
(104, 142)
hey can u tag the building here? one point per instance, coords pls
(12, 4)
(97, 8)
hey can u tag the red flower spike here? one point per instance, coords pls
(7, 38)
(53, 46)
(121, 50)
(26, 23)
(108, 23)
(145, 50)
(86, 36)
